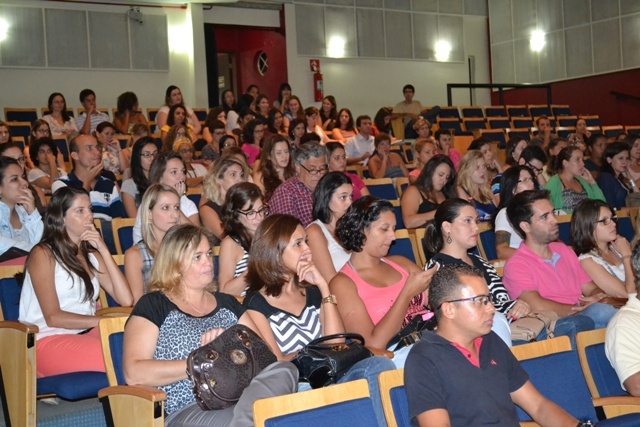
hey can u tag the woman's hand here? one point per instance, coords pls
(181, 188)
(51, 160)
(210, 335)
(92, 236)
(26, 200)
(520, 309)
(586, 175)
(419, 281)
(308, 272)
(622, 246)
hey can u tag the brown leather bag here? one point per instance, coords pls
(222, 369)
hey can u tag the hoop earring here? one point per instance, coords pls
(449, 239)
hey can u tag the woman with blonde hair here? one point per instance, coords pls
(181, 313)
(161, 210)
(194, 171)
(473, 185)
(224, 172)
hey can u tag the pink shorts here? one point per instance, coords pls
(61, 354)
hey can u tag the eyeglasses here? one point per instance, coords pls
(229, 144)
(43, 131)
(608, 220)
(533, 168)
(478, 300)
(521, 181)
(147, 154)
(186, 150)
(90, 148)
(320, 171)
(251, 215)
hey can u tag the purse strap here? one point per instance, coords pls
(345, 335)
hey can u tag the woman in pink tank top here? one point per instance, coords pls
(384, 294)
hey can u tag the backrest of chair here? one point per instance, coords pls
(499, 122)
(539, 110)
(632, 130)
(405, 245)
(20, 114)
(496, 135)
(625, 226)
(564, 228)
(554, 370)
(382, 188)
(195, 194)
(9, 292)
(122, 233)
(112, 339)
(22, 129)
(560, 110)
(397, 210)
(401, 185)
(472, 111)
(522, 122)
(487, 242)
(523, 133)
(474, 123)
(450, 123)
(420, 233)
(63, 147)
(495, 111)
(449, 113)
(600, 376)
(349, 402)
(394, 398)
(565, 131)
(517, 111)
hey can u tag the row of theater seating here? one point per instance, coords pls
(12, 114)
(580, 382)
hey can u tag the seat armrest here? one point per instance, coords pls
(149, 393)
(614, 406)
(114, 311)
(126, 405)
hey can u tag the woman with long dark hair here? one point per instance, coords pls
(128, 113)
(142, 154)
(514, 180)
(252, 135)
(276, 165)
(614, 179)
(329, 113)
(435, 184)
(58, 118)
(242, 212)
(345, 127)
(63, 276)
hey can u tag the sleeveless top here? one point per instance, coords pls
(394, 172)
(339, 256)
(378, 301)
(426, 205)
(614, 270)
(147, 263)
(218, 210)
(570, 198)
(71, 293)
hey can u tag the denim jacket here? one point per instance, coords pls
(32, 223)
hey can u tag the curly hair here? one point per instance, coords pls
(35, 147)
(175, 251)
(265, 268)
(212, 190)
(362, 213)
(239, 195)
(248, 131)
(126, 101)
(270, 178)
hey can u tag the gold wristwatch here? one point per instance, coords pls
(331, 299)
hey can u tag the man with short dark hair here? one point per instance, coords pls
(408, 110)
(544, 130)
(295, 196)
(463, 374)
(546, 274)
(532, 157)
(360, 147)
(622, 342)
(91, 118)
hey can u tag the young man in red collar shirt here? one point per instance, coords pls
(463, 374)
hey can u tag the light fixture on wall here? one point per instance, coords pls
(537, 41)
(335, 49)
(4, 29)
(443, 49)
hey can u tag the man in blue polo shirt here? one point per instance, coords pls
(87, 173)
(463, 374)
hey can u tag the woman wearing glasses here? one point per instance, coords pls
(242, 212)
(450, 238)
(161, 204)
(614, 179)
(572, 182)
(142, 154)
(514, 180)
(604, 255)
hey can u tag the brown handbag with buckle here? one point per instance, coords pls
(221, 370)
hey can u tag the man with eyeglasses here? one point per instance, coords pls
(295, 196)
(463, 374)
(546, 274)
(209, 151)
(87, 173)
(532, 157)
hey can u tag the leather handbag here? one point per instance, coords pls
(321, 364)
(528, 328)
(220, 370)
(412, 332)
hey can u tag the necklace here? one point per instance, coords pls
(193, 307)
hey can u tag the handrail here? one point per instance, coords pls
(619, 95)
(499, 86)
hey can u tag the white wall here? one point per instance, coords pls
(365, 85)
(24, 87)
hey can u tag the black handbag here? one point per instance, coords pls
(412, 332)
(322, 364)
(220, 370)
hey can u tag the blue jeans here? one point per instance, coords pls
(600, 314)
(369, 369)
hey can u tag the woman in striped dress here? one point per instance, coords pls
(242, 212)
